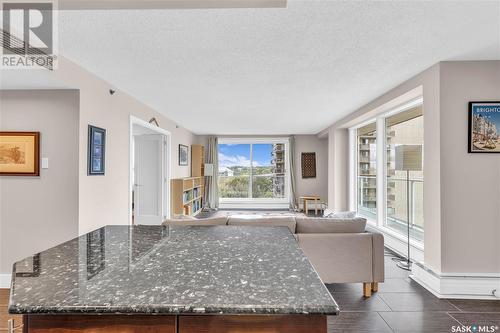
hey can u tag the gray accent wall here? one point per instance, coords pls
(37, 213)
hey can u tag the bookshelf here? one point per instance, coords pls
(187, 195)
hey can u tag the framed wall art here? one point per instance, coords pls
(19, 153)
(308, 164)
(484, 127)
(96, 151)
(183, 155)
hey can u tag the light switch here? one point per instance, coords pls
(45, 162)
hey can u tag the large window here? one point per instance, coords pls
(253, 171)
(234, 170)
(405, 129)
(367, 171)
(388, 180)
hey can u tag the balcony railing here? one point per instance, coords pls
(396, 203)
(256, 186)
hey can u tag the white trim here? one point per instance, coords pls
(167, 163)
(353, 181)
(381, 163)
(394, 240)
(5, 280)
(457, 285)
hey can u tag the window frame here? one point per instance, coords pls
(251, 202)
(381, 142)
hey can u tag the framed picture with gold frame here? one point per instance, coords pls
(19, 153)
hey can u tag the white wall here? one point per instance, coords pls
(37, 213)
(470, 183)
(312, 186)
(105, 199)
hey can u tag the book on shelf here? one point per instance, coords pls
(187, 196)
(196, 192)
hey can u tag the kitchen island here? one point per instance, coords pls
(172, 279)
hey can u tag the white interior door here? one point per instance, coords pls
(148, 179)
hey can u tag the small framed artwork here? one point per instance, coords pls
(183, 155)
(484, 127)
(308, 161)
(19, 153)
(96, 151)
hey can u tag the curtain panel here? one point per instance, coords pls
(291, 166)
(211, 187)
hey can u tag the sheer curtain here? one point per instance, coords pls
(291, 168)
(211, 188)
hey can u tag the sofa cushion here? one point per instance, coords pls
(204, 222)
(319, 225)
(286, 221)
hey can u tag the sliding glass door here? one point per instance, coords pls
(388, 179)
(405, 129)
(253, 171)
(367, 171)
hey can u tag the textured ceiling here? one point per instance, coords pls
(274, 71)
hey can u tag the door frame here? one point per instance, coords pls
(166, 165)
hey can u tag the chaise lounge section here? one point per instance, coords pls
(341, 250)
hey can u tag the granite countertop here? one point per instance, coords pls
(176, 269)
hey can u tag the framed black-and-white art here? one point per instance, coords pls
(484, 127)
(183, 155)
(96, 151)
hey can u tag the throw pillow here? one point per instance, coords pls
(339, 215)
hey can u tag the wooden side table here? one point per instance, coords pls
(315, 198)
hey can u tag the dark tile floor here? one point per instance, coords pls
(401, 305)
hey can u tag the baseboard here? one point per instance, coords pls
(5, 280)
(457, 285)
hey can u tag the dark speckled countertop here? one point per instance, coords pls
(155, 269)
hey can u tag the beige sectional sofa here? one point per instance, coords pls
(341, 250)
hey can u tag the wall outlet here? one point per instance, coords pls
(45, 162)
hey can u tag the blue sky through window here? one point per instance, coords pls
(239, 155)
